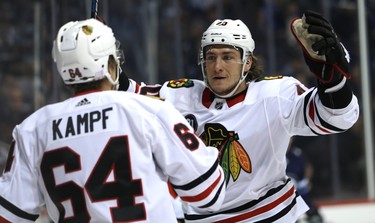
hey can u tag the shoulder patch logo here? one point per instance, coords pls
(267, 78)
(179, 83)
(192, 121)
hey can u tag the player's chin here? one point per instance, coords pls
(221, 91)
(218, 89)
(218, 85)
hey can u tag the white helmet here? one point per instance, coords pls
(228, 32)
(82, 49)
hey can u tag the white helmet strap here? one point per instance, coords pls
(115, 82)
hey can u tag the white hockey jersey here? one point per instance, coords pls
(107, 157)
(252, 132)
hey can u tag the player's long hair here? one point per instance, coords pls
(256, 69)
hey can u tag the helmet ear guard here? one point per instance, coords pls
(82, 49)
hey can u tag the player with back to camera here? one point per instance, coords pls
(104, 155)
(251, 117)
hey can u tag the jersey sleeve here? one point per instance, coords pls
(193, 169)
(142, 88)
(133, 86)
(307, 114)
(20, 197)
(164, 91)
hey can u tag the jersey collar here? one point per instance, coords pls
(86, 92)
(208, 97)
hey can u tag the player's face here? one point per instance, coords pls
(223, 66)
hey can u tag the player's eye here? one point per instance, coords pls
(228, 58)
(210, 58)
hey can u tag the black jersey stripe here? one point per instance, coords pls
(209, 204)
(325, 124)
(242, 207)
(281, 214)
(16, 211)
(199, 180)
(305, 114)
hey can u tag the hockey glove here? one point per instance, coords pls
(325, 55)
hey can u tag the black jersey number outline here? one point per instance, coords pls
(123, 188)
(187, 138)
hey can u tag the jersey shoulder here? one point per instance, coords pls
(141, 103)
(182, 91)
(279, 85)
(276, 80)
(41, 115)
(269, 78)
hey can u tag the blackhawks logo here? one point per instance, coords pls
(232, 155)
(87, 29)
(184, 82)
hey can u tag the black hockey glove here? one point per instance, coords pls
(325, 55)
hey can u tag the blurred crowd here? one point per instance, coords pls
(180, 24)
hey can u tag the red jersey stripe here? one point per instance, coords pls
(204, 194)
(260, 210)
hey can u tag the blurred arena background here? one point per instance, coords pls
(161, 42)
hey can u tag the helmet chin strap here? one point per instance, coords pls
(230, 94)
(115, 82)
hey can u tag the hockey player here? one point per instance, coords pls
(104, 155)
(250, 117)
